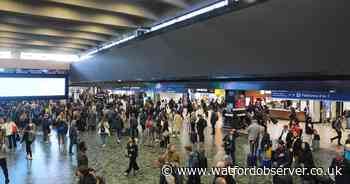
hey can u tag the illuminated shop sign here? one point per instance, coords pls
(310, 95)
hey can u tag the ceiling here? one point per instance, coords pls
(75, 26)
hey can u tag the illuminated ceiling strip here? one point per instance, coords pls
(190, 15)
(187, 16)
(5, 54)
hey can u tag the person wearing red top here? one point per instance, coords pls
(296, 128)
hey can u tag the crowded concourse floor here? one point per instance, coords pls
(56, 166)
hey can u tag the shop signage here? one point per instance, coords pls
(310, 95)
(203, 90)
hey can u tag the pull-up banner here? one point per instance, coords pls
(310, 95)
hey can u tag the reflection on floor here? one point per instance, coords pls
(52, 166)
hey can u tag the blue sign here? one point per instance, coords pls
(310, 95)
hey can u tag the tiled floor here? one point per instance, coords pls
(52, 166)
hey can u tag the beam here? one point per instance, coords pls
(26, 37)
(64, 13)
(176, 3)
(58, 25)
(42, 43)
(131, 9)
(49, 38)
(24, 46)
(52, 32)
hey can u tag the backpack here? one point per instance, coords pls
(102, 129)
(334, 124)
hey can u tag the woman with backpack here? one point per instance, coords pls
(28, 138)
(103, 130)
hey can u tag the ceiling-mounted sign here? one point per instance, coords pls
(310, 95)
(204, 90)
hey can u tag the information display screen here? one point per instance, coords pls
(12, 87)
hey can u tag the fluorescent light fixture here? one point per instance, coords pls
(187, 16)
(5, 54)
(49, 57)
(191, 15)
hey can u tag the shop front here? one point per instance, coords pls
(320, 106)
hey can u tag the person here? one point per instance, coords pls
(103, 130)
(91, 119)
(46, 127)
(296, 149)
(62, 128)
(283, 136)
(28, 138)
(177, 123)
(316, 141)
(253, 135)
(165, 136)
(82, 159)
(337, 126)
(193, 161)
(73, 137)
(3, 152)
(11, 132)
(307, 162)
(292, 116)
(230, 145)
(339, 162)
(275, 130)
(132, 154)
(221, 178)
(143, 119)
(119, 127)
(213, 119)
(309, 130)
(133, 125)
(170, 158)
(201, 125)
(86, 175)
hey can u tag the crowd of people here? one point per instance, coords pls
(154, 124)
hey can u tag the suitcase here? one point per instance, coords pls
(251, 160)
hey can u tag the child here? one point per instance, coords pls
(267, 155)
(316, 141)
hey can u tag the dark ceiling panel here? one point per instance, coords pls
(276, 38)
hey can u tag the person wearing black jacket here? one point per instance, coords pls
(201, 125)
(73, 137)
(46, 127)
(132, 154)
(119, 127)
(213, 119)
(230, 144)
(28, 138)
(306, 161)
(281, 158)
